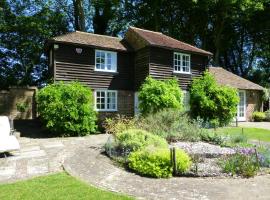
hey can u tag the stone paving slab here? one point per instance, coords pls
(83, 158)
(43, 156)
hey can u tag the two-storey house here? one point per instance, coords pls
(115, 68)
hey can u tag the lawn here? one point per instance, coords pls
(55, 187)
(251, 133)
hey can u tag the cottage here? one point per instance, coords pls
(115, 68)
(250, 94)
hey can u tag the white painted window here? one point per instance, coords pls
(106, 100)
(105, 61)
(186, 100)
(181, 63)
(241, 108)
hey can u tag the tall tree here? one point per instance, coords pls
(22, 37)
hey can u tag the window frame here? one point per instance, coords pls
(106, 100)
(105, 63)
(181, 63)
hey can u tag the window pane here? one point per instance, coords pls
(100, 100)
(113, 61)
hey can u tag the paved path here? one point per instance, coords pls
(82, 158)
(264, 125)
(43, 156)
(97, 169)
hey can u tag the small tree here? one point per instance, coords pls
(67, 109)
(155, 95)
(212, 102)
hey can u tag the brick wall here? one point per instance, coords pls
(18, 95)
(254, 102)
(125, 104)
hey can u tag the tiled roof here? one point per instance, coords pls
(161, 40)
(225, 77)
(85, 38)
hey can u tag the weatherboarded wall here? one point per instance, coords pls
(18, 102)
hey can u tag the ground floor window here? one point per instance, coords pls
(186, 100)
(241, 108)
(106, 100)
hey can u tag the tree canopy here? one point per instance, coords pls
(236, 31)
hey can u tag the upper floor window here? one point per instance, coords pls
(181, 63)
(106, 61)
(106, 100)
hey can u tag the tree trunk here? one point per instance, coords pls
(79, 15)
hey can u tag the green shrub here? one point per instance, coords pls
(170, 124)
(135, 139)
(155, 162)
(211, 137)
(267, 115)
(119, 124)
(212, 102)
(258, 116)
(155, 95)
(22, 106)
(67, 109)
(264, 157)
(238, 138)
(241, 164)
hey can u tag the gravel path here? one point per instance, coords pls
(264, 125)
(204, 149)
(90, 165)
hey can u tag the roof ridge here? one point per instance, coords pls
(133, 27)
(221, 68)
(100, 35)
(188, 44)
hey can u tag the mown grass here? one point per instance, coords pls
(251, 133)
(55, 187)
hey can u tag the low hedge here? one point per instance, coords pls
(136, 139)
(155, 162)
(259, 116)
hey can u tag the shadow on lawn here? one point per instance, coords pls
(31, 128)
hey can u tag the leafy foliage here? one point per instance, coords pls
(241, 164)
(258, 116)
(213, 102)
(119, 124)
(264, 157)
(67, 109)
(211, 137)
(24, 28)
(156, 95)
(267, 115)
(155, 162)
(171, 124)
(136, 139)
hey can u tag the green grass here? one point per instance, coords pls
(251, 133)
(55, 187)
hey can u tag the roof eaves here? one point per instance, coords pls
(88, 45)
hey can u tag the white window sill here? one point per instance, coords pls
(180, 72)
(101, 110)
(108, 71)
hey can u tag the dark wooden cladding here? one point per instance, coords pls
(141, 66)
(161, 66)
(132, 67)
(70, 66)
